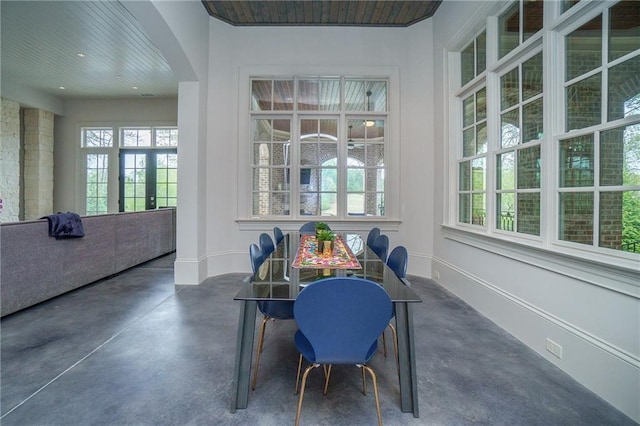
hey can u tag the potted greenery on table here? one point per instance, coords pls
(325, 240)
(321, 226)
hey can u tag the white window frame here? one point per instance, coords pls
(595, 263)
(575, 20)
(392, 149)
(113, 158)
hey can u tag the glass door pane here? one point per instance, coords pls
(133, 181)
(166, 179)
(148, 179)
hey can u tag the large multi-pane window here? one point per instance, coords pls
(97, 183)
(472, 166)
(100, 140)
(318, 146)
(566, 161)
(599, 155)
(473, 59)
(472, 153)
(518, 152)
(518, 23)
(365, 167)
(147, 160)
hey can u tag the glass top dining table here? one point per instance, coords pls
(278, 280)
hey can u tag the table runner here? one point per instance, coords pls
(308, 256)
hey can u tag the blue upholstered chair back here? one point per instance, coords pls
(266, 245)
(381, 247)
(397, 261)
(342, 318)
(271, 308)
(310, 228)
(255, 256)
(277, 235)
(373, 234)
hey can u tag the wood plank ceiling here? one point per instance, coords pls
(326, 12)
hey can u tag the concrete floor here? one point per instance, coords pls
(137, 350)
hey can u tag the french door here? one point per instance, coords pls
(148, 179)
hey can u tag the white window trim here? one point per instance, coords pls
(588, 263)
(114, 159)
(621, 277)
(392, 145)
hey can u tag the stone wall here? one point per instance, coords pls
(10, 161)
(38, 163)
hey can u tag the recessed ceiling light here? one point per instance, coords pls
(61, 87)
(80, 55)
(134, 87)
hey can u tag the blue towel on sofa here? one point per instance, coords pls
(65, 225)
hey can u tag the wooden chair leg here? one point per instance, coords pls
(304, 382)
(364, 382)
(327, 375)
(298, 374)
(375, 392)
(259, 352)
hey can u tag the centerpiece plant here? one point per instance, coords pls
(325, 240)
(321, 226)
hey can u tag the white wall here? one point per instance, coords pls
(180, 30)
(236, 52)
(592, 311)
(67, 160)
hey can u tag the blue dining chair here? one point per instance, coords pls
(310, 228)
(380, 247)
(373, 234)
(398, 260)
(277, 235)
(255, 255)
(271, 310)
(266, 245)
(340, 320)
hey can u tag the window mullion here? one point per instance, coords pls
(342, 167)
(493, 145)
(294, 166)
(596, 189)
(605, 68)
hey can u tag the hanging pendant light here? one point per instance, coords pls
(369, 123)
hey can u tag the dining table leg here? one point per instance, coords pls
(244, 351)
(406, 359)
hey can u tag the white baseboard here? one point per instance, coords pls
(189, 271)
(608, 371)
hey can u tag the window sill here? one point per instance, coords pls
(617, 274)
(359, 224)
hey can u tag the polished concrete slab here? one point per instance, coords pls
(137, 350)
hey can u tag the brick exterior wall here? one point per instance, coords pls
(576, 217)
(611, 173)
(529, 213)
